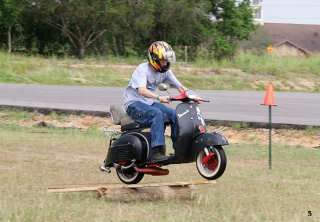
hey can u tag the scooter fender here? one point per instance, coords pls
(207, 139)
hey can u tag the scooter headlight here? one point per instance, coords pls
(191, 94)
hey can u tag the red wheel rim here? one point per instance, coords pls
(212, 164)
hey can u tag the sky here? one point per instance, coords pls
(291, 11)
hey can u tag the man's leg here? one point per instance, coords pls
(173, 119)
(146, 114)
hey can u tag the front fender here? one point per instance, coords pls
(208, 139)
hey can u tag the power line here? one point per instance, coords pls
(292, 18)
(303, 6)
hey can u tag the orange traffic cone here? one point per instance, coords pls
(269, 97)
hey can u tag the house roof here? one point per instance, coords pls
(290, 43)
(305, 37)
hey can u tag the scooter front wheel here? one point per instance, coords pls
(211, 162)
(129, 176)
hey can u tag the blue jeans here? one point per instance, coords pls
(154, 115)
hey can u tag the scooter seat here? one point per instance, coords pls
(120, 117)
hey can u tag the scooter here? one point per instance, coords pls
(129, 153)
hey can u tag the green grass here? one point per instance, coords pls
(266, 64)
(59, 117)
(311, 130)
(246, 72)
(9, 116)
(248, 190)
(238, 126)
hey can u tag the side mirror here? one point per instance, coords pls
(162, 87)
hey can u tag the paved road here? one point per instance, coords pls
(293, 108)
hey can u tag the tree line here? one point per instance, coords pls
(124, 27)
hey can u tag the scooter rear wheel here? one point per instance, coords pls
(216, 165)
(129, 176)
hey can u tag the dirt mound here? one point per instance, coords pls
(291, 137)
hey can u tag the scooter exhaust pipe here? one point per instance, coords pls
(154, 171)
(105, 169)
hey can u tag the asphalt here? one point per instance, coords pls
(296, 110)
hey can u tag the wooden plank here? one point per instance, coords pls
(142, 191)
(77, 185)
(147, 193)
(171, 184)
(75, 189)
(121, 185)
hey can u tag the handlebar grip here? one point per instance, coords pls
(172, 99)
(201, 100)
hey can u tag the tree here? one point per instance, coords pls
(130, 27)
(10, 11)
(127, 27)
(182, 22)
(83, 22)
(258, 42)
(139, 23)
(234, 22)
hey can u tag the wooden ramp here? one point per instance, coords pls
(142, 191)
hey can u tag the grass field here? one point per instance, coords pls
(246, 72)
(248, 190)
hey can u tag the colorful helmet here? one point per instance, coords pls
(161, 51)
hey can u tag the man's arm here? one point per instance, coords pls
(147, 93)
(182, 89)
(164, 99)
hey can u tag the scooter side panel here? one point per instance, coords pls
(128, 147)
(190, 124)
(142, 152)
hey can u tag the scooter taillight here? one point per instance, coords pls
(122, 163)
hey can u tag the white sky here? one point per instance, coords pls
(291, 11)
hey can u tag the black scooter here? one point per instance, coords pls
(129, 153)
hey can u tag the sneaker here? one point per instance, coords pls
(156, 156)
(162, 150)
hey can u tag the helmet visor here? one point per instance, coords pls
(168, 56)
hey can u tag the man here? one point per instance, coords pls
(139, 96)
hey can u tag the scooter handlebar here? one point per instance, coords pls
(201, 100)
(187, 96)
(206, 101)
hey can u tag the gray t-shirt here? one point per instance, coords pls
(146, 76)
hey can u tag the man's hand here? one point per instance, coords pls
(197, 100)
(164, 99)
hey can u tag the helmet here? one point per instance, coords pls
(161, 51)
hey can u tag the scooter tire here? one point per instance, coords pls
(215, 167)
(129, 176)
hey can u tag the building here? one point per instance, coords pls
(286, 48)
(288, 39)
(294, 39)
(258, 11)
